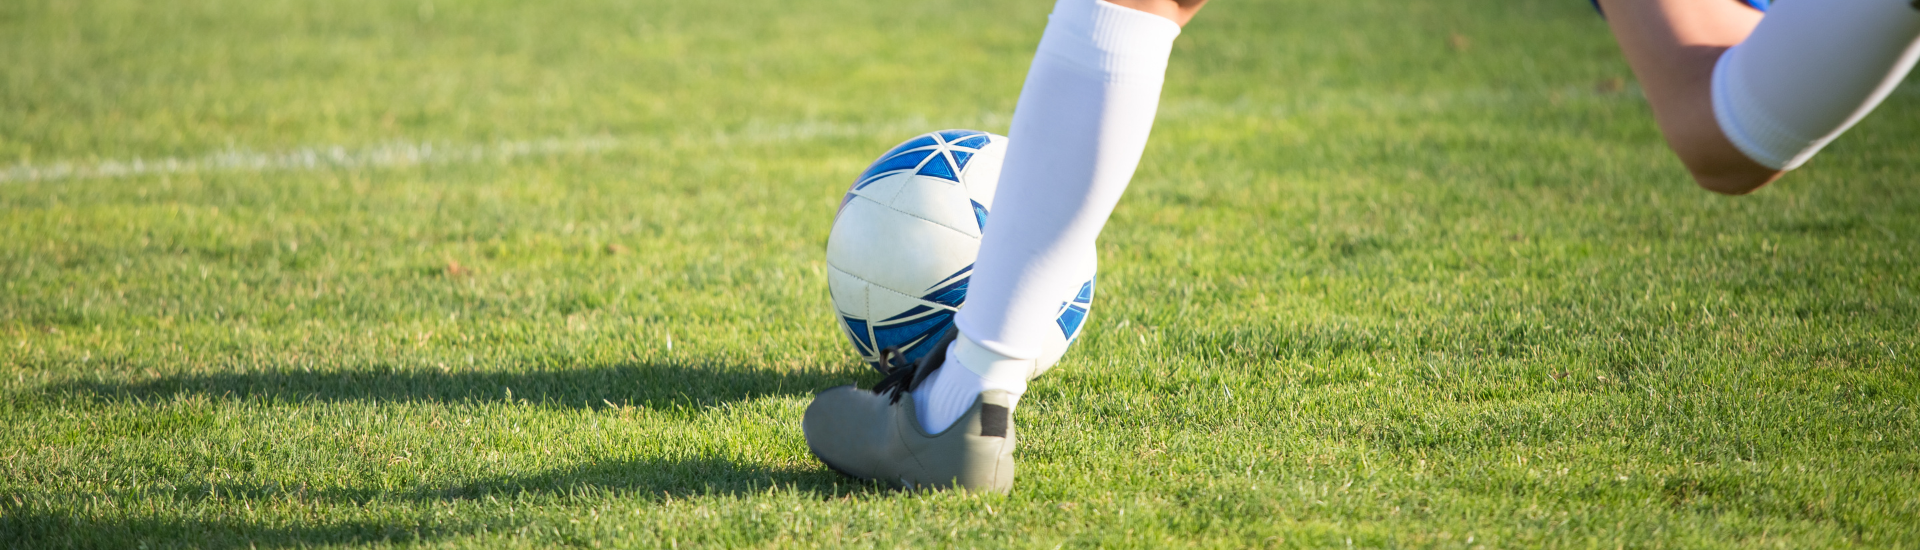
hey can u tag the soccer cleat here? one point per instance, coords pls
(875, 435)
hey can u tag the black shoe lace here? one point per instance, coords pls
(900, 374)
(903, 376)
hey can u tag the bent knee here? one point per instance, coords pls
(1179, 11)
(1729, 176)
(1733, 184)
(1715, 164)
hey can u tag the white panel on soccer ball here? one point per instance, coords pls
(884, 304)
(897, 251)
(882, 190)
(849, 292)
(939, 201)
(983, 172)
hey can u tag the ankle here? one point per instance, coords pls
(948, 393)
(995, 370)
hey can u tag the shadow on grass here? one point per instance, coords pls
(205, 515)
(37, 527)
(650, 385)
(406, 515)
(659, 479)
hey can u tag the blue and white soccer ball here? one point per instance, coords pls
(904, 243)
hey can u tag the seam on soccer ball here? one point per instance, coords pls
(873, 285)
(902, 189)
(942, 225)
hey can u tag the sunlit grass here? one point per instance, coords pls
(531, 274)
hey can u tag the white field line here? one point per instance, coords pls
(307, 158)
(402, 154)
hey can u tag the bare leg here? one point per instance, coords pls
(1180, 11)
(1672, 46)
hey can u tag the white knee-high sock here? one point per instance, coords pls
(1809, 71)
(1077, 135)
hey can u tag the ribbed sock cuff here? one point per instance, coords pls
(997, 370)
(1119, 44)
(1748, 125)
(947, 395)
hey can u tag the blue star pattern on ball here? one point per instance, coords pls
(913, 331)
(1074, 314)
(942, 154)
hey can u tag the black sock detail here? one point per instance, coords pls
(993, 420)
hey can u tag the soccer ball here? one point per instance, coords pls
(905, 239)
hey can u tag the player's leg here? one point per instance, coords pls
(1078, 133)
(1742, 99)
(1178, 11)
(1672, 46)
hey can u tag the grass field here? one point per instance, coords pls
(527, 274)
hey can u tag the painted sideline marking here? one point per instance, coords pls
(307, 158)
(400, 154)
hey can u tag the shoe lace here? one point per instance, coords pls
(899, 373)
(903, 375)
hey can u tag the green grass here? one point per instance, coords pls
(1392, 275)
